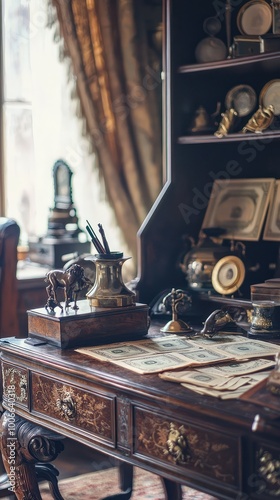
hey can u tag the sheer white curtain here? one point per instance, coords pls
(41, 126)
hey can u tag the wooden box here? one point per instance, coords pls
(50, 252)
(269, 290)
(88, 326)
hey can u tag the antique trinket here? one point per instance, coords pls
(265, 320)
(109, 289)
(176, 300)
(64, 235)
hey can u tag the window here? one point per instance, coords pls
(40, 125)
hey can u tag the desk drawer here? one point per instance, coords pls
(15, 385)
(187, 447)
(92, 412)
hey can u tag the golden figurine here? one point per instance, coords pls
(226, 123)
(72, 281)
(260, 120)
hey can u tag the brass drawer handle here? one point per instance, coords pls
(269, 469)
(177, 444)
(67, 406)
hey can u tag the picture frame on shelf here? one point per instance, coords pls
(239, 207)
(272, 225)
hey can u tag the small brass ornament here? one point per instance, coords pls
(226, 123)
(260, 120)
(265, 320)
(176, 299)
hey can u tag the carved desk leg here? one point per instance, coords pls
(126, 476)
(22, 445)
(126, 482)
(173, 491)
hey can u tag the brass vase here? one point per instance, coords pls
(109, 289)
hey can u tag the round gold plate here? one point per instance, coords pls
(228, 275)
(254, 18)
(270, 94)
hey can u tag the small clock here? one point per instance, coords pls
(228, 275)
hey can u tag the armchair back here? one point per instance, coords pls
(9, 238)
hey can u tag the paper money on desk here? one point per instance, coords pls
(230, 393)
(154, 362)
(236, 368)
(158, 362)
(122, 350)
(242, 385)
(203, 381)
(248, 349)
(223, 371)
(173, 352)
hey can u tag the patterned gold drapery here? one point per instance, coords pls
(118, 89)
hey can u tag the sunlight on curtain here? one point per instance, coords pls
(40, 126)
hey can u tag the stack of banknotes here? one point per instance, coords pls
(225, 366)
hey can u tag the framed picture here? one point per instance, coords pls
(272, 225)
(239, 207)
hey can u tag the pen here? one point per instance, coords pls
(94, 238)
(105, 242)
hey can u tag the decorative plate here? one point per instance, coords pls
(242, 99)
(254, 18)
(270, 94)
(228, 275)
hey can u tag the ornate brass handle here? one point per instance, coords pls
(67, 406)
(269, 469)
(177, 444)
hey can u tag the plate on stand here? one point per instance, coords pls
(242, 99)
(254, 18)
(270, 94)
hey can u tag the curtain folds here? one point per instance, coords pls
(118, 88)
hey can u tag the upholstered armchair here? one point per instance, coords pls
(9, 237)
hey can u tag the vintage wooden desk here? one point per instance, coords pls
(134, 418)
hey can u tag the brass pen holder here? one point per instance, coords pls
(109, 289)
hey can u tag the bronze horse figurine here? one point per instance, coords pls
(72, 281)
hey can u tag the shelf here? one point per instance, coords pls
(231, 301)
(228, 63)
(193, 161)
(237, 137)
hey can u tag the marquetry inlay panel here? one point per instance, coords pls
(123, 422)
(86, 410)
(201, 450)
